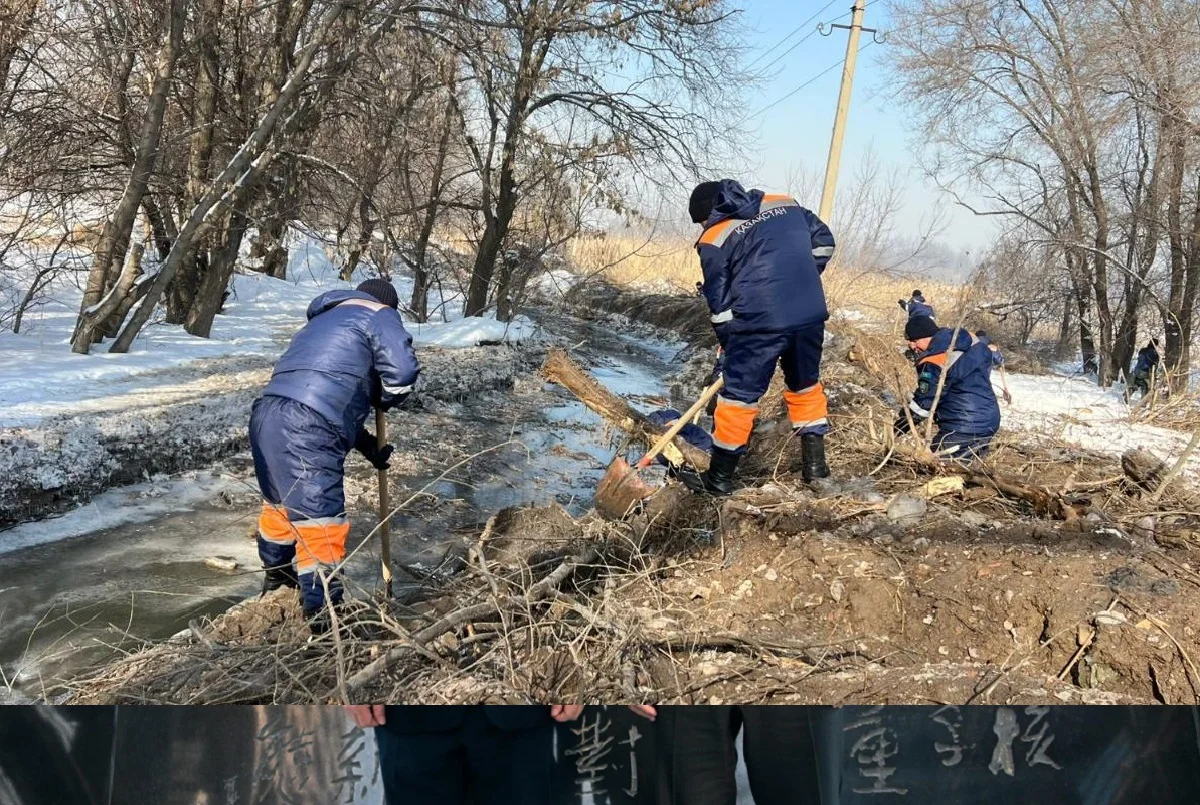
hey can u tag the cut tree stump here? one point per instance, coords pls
(561, 369)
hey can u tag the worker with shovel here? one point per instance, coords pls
(762, 257)
(353, 354)
(962, 403)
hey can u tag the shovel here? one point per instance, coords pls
(385, 525)
(622, 486)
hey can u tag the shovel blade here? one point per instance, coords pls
(620, 489)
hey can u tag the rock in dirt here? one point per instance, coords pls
(906, 508)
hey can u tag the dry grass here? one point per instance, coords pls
(629, 261)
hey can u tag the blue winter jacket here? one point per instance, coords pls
(917, 306)
(353, 353)
(968, 402)
(997, 355)
(1147, 359)
(762, 258)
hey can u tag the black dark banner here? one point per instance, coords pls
(299, 755)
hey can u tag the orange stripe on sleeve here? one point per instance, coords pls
(711, 234)
(938, 360)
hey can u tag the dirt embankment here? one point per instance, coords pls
(1045, 575)
(65, 461)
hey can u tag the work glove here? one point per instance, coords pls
(903, 305)
(910, 354)
(368, 445)
(699, 289)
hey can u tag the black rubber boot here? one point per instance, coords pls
(718, 480)
(812, 456)
(276, 577)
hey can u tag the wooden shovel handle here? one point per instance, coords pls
(680, 423)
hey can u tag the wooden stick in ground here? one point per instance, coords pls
(560, 368)
(385, 526)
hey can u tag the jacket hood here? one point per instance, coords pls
(941, 341)
(734, 201)
(331, 299)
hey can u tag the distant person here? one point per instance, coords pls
(916, 305)
(455, 754)
(967, 414)
(1147, 362)
(762, 257)
(696, 754)
(354, 354)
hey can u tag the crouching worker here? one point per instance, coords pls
(966, 414)
(353, 354)
(762, 258)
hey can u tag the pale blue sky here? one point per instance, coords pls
(796, 131)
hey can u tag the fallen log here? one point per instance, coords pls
(561, 369)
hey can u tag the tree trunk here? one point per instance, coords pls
(211, 292)
(420, 295)
(251, 158)
(1066, 330)
(183, 287)
(114, 242)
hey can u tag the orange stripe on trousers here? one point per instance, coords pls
(807, 406)
(315, 542)
(733, 424)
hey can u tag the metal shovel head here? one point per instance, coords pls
(620, 489)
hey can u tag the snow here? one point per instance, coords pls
(136, 503)
(1080, 412)
(260, 317)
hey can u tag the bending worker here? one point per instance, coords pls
(762, 258)
(353, 354)
(916, 305)
(1147, 361)
(966, 413)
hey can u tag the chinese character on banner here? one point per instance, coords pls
(1036, 733)
(631, 742)
(280, 744)
(231, 792)
(949, 717)
(874, 745)
(349, 768)
(591, 754)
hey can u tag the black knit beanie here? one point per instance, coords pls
(382, 290)
(919, 327)
(701, 203)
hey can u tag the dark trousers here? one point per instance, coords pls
(697, 757)
(476, 759)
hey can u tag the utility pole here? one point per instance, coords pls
(843, 109)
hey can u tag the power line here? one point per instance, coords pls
(792, 33)
(812, 80)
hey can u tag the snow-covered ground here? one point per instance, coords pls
(1077, 411)
(40, 376)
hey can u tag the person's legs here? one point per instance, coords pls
(696, 755)
(781, 759)
(750, 361)
(508, 767)
(422, 769)
(299, 459)
(749, 365)
(808, 408)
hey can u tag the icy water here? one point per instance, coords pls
(77, 589)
